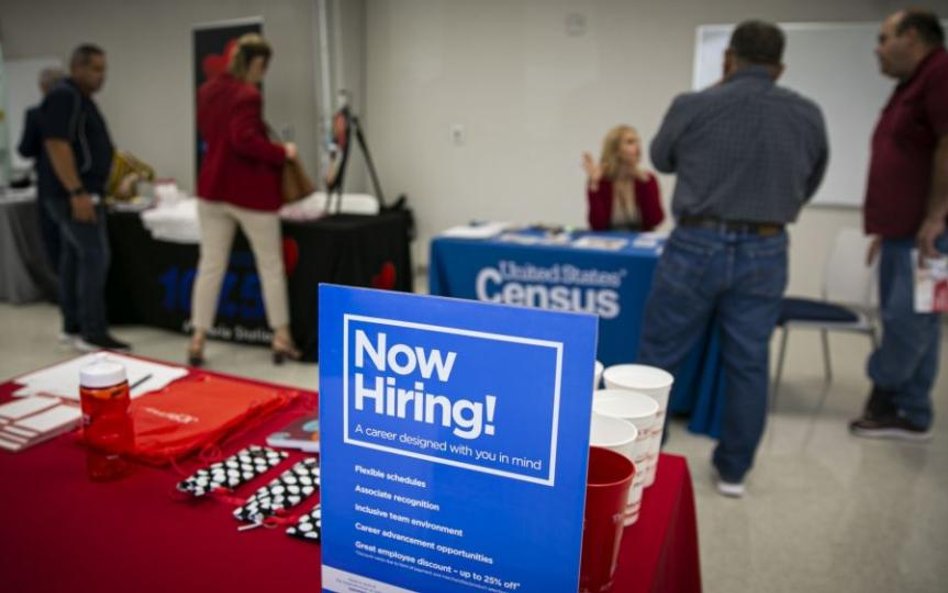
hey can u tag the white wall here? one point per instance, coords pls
(148, 96)
(532, 96)
(346, 33)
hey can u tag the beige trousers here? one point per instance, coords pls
(219, 222)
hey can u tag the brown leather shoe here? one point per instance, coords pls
(889, 427)
(879, 404)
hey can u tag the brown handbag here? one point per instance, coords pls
(296, 183)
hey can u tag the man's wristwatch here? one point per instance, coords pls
(79, 191)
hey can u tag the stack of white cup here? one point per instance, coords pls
(650, 381)
(641, 413)
(613, 433)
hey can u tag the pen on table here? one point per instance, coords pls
(139, 382)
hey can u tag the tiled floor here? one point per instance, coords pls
(824, 511)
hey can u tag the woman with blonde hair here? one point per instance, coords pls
(621, 194)
(239, 184)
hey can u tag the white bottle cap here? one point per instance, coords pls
(102, 373)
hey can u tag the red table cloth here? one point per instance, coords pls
(61, 532)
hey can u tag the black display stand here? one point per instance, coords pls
(344, 124)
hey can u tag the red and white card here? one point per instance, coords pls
(931, 284)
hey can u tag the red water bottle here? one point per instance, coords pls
(106, 424)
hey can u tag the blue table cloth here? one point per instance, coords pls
(607, 274)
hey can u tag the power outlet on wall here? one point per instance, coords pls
(458, 135)
(575, 24)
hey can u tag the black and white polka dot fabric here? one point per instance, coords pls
(291, 488)
(309, 527)
(237, 469)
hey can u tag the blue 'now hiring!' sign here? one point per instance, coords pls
(454, 443)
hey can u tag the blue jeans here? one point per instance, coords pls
(739, 279)
(49, 229)
(906, 361)
(83, 267)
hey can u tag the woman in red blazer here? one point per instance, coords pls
(621, 194)
(240, 184)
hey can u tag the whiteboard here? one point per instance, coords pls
(833, 64)
(23, 92)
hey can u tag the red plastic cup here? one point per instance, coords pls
(607, 491)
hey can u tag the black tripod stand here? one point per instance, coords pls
(344, 124)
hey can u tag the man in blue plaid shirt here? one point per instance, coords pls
(748, 155)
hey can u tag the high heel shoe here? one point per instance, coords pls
(282, 350)
(195, 355)
(195, 359)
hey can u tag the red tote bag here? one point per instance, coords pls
(190, 415)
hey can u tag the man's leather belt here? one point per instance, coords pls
(762, 229)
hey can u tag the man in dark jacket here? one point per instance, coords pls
(73, 170)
